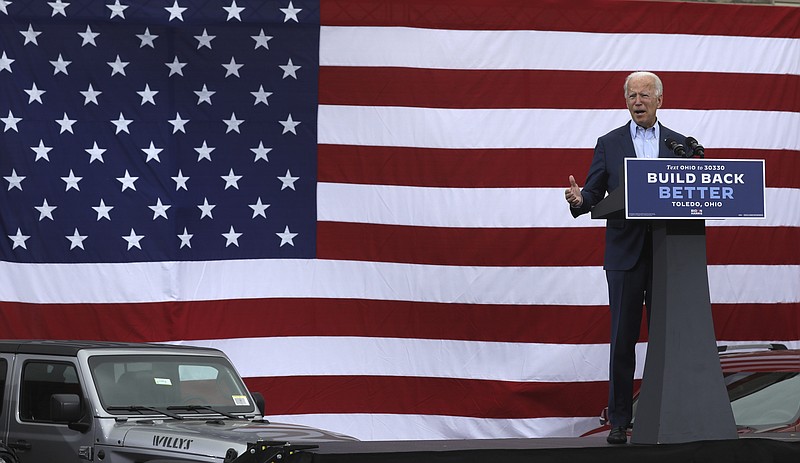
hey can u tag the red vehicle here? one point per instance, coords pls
(763, 385)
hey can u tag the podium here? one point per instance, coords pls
(683, 397)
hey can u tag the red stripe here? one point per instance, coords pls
(740, 245)
(500, 168)
(429, 396)
(433, 88)
(531, 246)
(581, 16)
(305, 317)
(461, 246)
(456, 168)
(369, 318)
(749, 322)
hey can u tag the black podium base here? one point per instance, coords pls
(683, 396)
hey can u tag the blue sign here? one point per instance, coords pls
(677, 188)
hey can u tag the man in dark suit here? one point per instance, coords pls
(628, 253)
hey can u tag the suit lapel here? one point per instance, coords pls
(623, 149)
(628, 150)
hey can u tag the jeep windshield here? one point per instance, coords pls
(169, 382)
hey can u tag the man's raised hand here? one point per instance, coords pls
(573, 193)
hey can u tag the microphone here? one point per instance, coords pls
(676, 147)
(697, 148)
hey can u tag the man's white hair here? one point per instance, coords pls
(656, 79)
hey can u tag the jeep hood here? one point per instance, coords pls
(212, 437)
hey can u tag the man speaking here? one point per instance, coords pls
(628, 252)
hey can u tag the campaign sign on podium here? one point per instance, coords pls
(679, 188)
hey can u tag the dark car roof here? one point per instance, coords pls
(71, 348)
(769, 360)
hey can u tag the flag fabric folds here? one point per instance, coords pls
(362, 202)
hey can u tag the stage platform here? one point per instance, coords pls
(783, 447)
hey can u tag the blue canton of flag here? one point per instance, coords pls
(165, 130)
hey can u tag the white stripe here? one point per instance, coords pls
(459, 49)
(732, 284)
(385, 427)
(543, 128)
(491, 207)
(428, 358)
(295, 278)
(447, 207)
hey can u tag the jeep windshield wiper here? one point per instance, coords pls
(197, 408)
(142, 408)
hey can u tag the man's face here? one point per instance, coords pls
(642, 101)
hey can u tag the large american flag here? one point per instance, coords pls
(361, 202)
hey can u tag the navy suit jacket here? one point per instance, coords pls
(624, 238)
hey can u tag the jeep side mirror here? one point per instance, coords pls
(66, 408)
(261, 404)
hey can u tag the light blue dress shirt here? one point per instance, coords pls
(645, 141)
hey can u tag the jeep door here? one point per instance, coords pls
(35, 429)
(5, 361)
